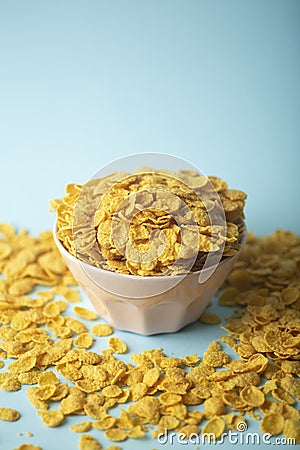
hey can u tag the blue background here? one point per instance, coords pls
(84, 83)
(216, 82)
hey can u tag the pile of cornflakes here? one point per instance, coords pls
(150, 222)
(163, 392)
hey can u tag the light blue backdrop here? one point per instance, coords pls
(216, 82)
(83, 83)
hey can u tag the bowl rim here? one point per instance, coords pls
(158, 278)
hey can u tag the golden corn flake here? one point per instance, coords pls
(116, 434)
(112, 391)
(113, 447)
(47, 378)
(136, 432)
(252, 395)
(188, 430)
(117, 345)
(105, 423)
(81, 427)
(52, 418)
(87, 442)
(85, 313)
(31, 377)
(209, 318)
(9, 382)
(24, 364)
(168, 422)
(102, 329)
(76, 326)
(84, 340)
(272, 423)
(215, 427)
(214, 406)
(169, 398)
(292, 430)
(9, 414)
(28, 447)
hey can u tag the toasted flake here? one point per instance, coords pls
(87, 442)
(81, 427)
(210, 318)
(84, 313)
(102, 329)
(9, 414)
(84, 340)
(9, 382)
(51, 418)
(252, 395)
(272, 423)
(117, 345)
(214, 426)
(28, 447)
(116, 434)
(292, 430)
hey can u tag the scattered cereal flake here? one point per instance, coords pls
(87, 442)
(272, 423)
(214, 406)
(105, 423)
(116, 434)
(9, 414)
(117, 345)
(137, 432)
(112, 391)
(48, 378)
(252, 395)
(28, 447)
(210, 318)
(169, 398)
(187, 430)
(9, 382)
(81, 427)
(102, 329)
(84, 340)
(151, 376)
(85, 313)
(52, 418)
(292, 430)
(168, 422)
(214, 426)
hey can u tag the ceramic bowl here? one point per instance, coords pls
(147, 305)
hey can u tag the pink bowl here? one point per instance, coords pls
(164, 306)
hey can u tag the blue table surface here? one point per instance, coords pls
(82, 84)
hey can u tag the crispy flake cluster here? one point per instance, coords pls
(150, 222)
(163, 393)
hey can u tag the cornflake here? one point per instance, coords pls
(117, 345)
(81, 427)
(9, 414)
(84, 313)
(102, 329)
(28, 447)
(87, 442)
(209, 318)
